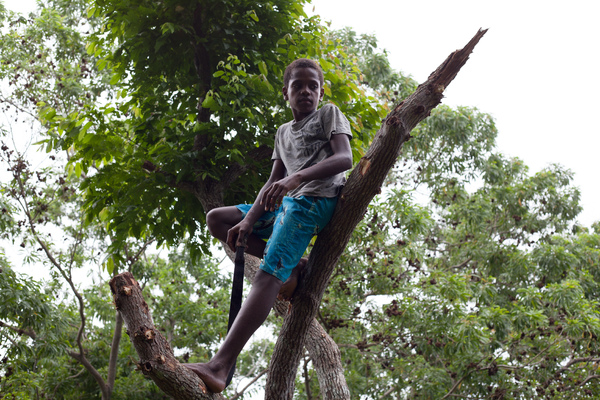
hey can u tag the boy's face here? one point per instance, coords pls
(303, 92)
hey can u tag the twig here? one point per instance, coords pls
(387, 393)
(257, 377)
(17, 173)
(31, 333)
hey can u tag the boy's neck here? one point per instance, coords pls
(303, 117)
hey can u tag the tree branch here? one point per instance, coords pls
(31, 333)
(363, 184)
(257, 377)
(114, 352)
(157, 360)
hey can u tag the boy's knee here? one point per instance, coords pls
(219, 220)
(213, 221)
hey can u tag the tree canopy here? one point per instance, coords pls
(195, 104)
(468, 277)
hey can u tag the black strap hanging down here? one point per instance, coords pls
(236, 295)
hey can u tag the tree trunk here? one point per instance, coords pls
(364, 183)
(300, 327)
(322, 349)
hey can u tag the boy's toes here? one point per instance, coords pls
(208, 376)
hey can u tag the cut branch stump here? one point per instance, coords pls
(156, 356)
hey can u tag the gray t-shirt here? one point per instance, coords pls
(303, 144)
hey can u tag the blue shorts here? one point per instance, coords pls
(289, 230)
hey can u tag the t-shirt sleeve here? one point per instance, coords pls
(276, 155)
(335, 122)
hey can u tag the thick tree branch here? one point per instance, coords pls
(156, 357)
(363, 184)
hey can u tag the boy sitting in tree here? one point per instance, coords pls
(309, 159)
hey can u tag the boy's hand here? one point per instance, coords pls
(238, 235)
(273, 196)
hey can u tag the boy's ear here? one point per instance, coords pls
(322, 93)
(285, 93)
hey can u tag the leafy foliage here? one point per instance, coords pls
(197, 102)
(479, 294)
(469, 277)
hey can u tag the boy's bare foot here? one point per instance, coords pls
(209, 375)
(289, 286)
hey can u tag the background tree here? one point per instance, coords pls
(61, 339)
(454, 298)
(68, 91)
(488, 284)
(199, 104)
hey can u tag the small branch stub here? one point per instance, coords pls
(364, 165)
(149, 334)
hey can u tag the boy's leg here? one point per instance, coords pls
(254, 311)
(220, 220)
(255, 308)
(318, 212)
(286, 242)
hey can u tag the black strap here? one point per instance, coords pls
(236, 295)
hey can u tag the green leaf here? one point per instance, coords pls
(110, 265)
(252, 14)
(262, 67)
(115, 79)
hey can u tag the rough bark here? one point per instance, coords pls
(364, 183)
(156, 357)
(327, 361)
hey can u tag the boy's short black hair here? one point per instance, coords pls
(302, 63)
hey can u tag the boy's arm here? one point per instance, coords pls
(339, 161)
(244, 227)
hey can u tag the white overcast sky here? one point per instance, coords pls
(536, 69)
